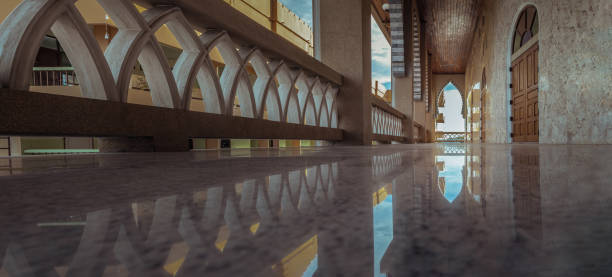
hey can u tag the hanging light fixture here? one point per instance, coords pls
(386, 7)
(106, 35)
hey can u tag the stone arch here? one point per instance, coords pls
(287, 93)
(106, 75)
(310, 112)
(463, 98)
(22, 32)
(326, 106)
(483, 104)
(333, 122)
(135, 41)
(187, 65)
(265, 93)
(305, 85)
(233, 80)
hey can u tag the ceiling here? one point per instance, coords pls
(450, 26)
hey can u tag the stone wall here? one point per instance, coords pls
(575, 93)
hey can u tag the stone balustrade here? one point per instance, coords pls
(281, 92)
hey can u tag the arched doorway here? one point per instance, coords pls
(524, 72)
(483, 107)
(450, 114)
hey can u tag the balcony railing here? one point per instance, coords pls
(450, 136)
(53, 76)
(291, 88)
(387, 122)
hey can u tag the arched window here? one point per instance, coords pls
(483, 106)
(526, 27)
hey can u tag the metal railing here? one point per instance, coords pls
(53, 76)
(450, 136)
(378, 92)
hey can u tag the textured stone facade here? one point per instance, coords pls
(575, 93)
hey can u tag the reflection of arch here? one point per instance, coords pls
(463, 98)
(449, 191)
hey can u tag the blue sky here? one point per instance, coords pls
(453, 175)
(383, 231)
(302, 8)
(381, 51)
(381, 57)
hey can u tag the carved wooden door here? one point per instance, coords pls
(525, 121)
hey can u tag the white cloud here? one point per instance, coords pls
(381, 56)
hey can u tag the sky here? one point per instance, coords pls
(381, 50)
(301, 8)
(383, 231)
(453, 120)
(453, 175)
(381, 57)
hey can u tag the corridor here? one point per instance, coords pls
(448, 209)
(306, 138)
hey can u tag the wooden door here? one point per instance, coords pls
(525, 121)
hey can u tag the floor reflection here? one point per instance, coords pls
(450, 176)
(184, 234)
(383, 224)
(425, 210)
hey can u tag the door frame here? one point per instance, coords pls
(510, 58)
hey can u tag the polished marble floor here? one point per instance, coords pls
(400, 210)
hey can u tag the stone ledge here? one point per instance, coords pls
(36, 114)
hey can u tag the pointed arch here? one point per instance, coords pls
(463, 98)
(135, 41)
(307, 107)
(264, 90)
(193, 54)
(22, 32)
(318, 95)
(287, 93)
(233, 80)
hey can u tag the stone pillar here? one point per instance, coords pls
(342, 41)
(403, 102)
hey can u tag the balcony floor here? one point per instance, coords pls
(404, 210)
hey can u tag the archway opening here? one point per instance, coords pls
(450, 121)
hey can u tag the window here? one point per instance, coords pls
(526, 27)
